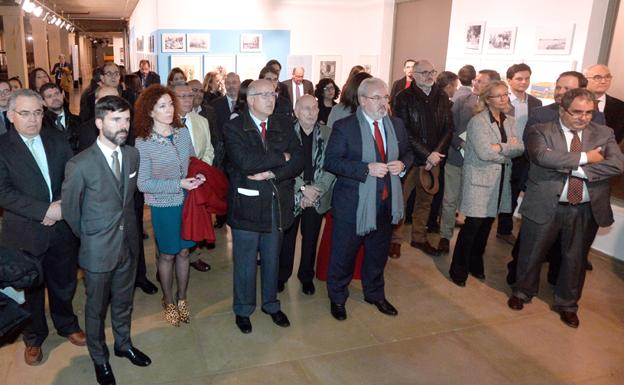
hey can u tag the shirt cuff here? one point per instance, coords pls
(583, 160)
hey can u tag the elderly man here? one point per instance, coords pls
(5, 93)
(572, 160)
(405, 81)
(32, 165)
(264, 157)
(58, 116)
(313, 191)
(60, 68)
(426, 112)
(368, 152)
(224, 105)
(146, 75)
(599, 81)
(297, 86)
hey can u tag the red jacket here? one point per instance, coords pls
(209, 198)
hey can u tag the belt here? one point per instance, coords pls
(573, 204)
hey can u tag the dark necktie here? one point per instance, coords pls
(59, 123)
(575, 184)
(116, 166)
(184, 122)
(382, 155)
(263, 128)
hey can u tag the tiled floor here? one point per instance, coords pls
(443, 334)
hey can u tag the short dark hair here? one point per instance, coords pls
(319, 89)
(514, 69)
(144, 61)
(273, 62)
(582, 80)
(445, 78)
(493, 75)
(110, 103)
(48, 86)
(407, 61)
(583, 93)
(467, 74)
(17, 79)
(266, 70)
(349, 95)
(32, 76)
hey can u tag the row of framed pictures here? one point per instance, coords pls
(549, 39)
(200, 42)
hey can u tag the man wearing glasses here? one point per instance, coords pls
(32, 166)
(264, 157)
(599, 81)
(572, 160)
(426, 112)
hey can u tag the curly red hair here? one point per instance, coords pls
(143, 122)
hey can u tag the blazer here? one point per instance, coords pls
(550, 113)
(397, 87)
(482, 169)
(72, 124)
(201, 138)
(152, 78)
(222, 110)
(98, 211)
(308, 88)
(614, 114)
(551, 164)
(343, 158)
(24, 193)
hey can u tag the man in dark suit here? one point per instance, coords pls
(98, 205)
(277, 68)
(599, 81)
(368, 152)
(57, 116)
(297, 86)
(568, 196)
(146, 75)
(405, 81)
(224, 107)
(5, 93)
(32, 162)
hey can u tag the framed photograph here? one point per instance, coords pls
(554, 39)
(197, 42)
(473, 37)
(370, 63)
(500, 40)
(221, 63)
(173, 42)
(152, 45)
(191, 65)
(140, 44)
(249, 66)
(328, 67)
(251, 42)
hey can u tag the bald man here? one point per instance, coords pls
(599, 79)
(298, 86)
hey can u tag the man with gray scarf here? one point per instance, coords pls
(368, 152)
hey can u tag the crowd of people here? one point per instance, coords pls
(364, 158)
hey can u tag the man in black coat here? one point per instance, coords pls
(57, 116)
(598, 82)
(146, 75)
(405, 82)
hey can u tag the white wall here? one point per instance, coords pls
(616, 56)
(143, 22)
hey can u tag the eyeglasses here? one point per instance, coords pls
(427, 73)
(378, 98)
(27, 114)
(265, 94)
(579, 114)
(186, 96)
(5, 92)
(328, 88)
(196, 89)
(599, 78)
(112, 74)
(499, 97)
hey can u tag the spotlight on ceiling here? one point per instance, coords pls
(28, 6)
(38, 11)
(58, 22)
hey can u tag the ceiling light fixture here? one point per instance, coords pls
(28, 6)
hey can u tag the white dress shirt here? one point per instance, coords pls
(521, 112)
(601, 102)
(108, 154)
(579, 171)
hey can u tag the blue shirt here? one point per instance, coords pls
(38, 153)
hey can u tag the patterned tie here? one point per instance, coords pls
(382, 155)
(116, 166)
(575, 184)
(263, 127)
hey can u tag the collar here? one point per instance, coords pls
(493, 119)
(370, 120)
(257, 121)
(513, 97)
(567, 130)
(107, 151)
(36, 138)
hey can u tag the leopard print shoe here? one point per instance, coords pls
(183, 310)
(172, 315)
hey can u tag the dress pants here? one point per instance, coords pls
(422, 207)
(117, 288)
(576, 227)
(436, 202)
(245, 247)
(553, 257)
(519, 175)
(310, 222)
(451, 199)
(60, 267)
(469, 248)
(345, 244)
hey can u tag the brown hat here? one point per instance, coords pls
(430, 179)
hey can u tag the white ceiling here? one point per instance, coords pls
(93, 9)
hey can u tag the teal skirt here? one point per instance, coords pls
(167, 224)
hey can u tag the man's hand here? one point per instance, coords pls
(53, 214)
(265, 175)
(396, 167)
(311, 193)
(434, 158)
(378, 170)
(595, 155)
(305, 203)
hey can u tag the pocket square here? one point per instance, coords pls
(132, 175)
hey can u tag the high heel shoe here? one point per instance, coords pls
(171, 315)
(183, 311)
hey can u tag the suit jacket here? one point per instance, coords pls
(152, 78)
(550, 113)
(551, 164)
(308, 89)
(72, 123)
(397, 87)
(343, 158)
(24, 193)
(614, 114)
(482, 169)
(99, 211)
(222, 111)
(201, 138)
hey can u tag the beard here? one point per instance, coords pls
(119, 137)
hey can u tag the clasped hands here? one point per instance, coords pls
(379, 170)
(311, 194)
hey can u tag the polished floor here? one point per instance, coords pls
(443, 334)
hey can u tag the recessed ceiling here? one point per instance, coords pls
(94, 9)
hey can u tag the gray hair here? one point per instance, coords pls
(25, 93)
(368, 83)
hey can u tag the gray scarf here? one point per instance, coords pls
(367, 204)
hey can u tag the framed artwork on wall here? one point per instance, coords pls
(328, 66)
(197, 42)
(152, 45)
(554, 39)
(500, 40)
(251, 42)
(191, 65)
(370, 63)
(473, 37)
(220, 63)
(140, 43)
(173, 42)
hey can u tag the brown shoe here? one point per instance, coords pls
(33, 355)
(509, 238)
(200, 265)
(515, 303)
(569, 318)
(444, 246)
(395, 250)
(426, 248)
(78, 338)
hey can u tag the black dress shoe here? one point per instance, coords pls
(200, 265)
(459, 282)
(384, 306)
(146, 286)
(279, 318)
(135, 356)
(244, 324)
(339, 311)
(308, 288)
(426, 248)
(569, 318)
(515, 303)
(104, 374)
(280, 286)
